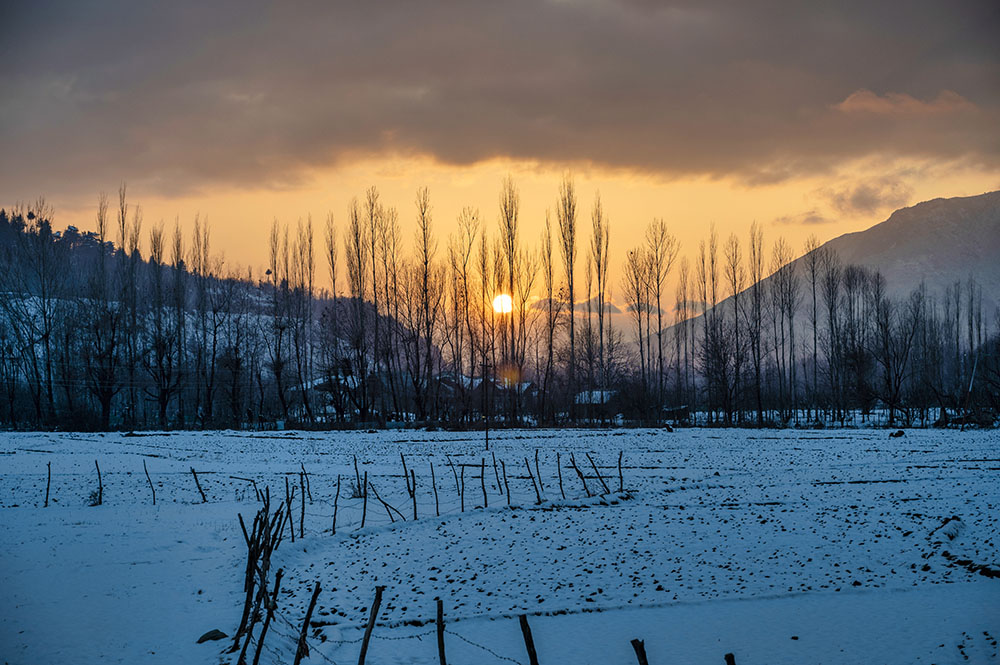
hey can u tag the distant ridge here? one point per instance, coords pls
(939, 242)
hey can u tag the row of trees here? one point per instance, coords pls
(814, 339)
(95, 333)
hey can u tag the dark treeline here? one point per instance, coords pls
(97, 334)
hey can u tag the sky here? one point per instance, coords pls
(808, 118)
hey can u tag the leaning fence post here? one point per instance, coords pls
(505, 485)
(336, 500)
(440, 632)
(496, 472)
(599, 476)
(302, 515)
(538, 472)
(572, 461)
(48, 483)
(559, 469)
(303, 648)
(413, 492)
(308, 488)
(538, 496)
(100, 485)
(640, 651)
(272, 605)
(148, 479)
(364, 504)
(529, 643)
(482, 479)
(371, 624)
(198, 485)
(437, 506)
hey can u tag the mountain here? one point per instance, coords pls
(937, 242)
(940, 241)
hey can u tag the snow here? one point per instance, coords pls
(778, 546)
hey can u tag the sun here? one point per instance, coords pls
(503, 304)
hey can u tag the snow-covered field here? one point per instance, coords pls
(776, 546)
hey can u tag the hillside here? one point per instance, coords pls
(939, 242)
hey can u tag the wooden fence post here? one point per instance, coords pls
(302, 514)
(364, 505)
(529, 643)
(640, 651)
(288, 507)
(357, 476)
(559, 469)
(413, 492)
(730, 659)
(538, 472)
(437, 506)
(505, 485)
(538, 495)
(599, 476)
(496, 472)
(440, 632)
(100, 485)
(303, 649)
(572, 461)
(271, 607)
(198, 485)
(48, 483)
(482, 479)
(148, 479)
(371, 624)
(308, 488)
(336, 500)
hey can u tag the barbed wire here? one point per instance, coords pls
(418, 636)
(480, 646)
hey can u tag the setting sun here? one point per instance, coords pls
(503, 304)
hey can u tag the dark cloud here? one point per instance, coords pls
(181, 95)
(870, 196)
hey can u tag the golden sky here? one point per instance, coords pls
(240, 219)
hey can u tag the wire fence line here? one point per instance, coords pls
(480, 646)
(293, 639)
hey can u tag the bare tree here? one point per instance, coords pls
(566, 214)
(599, 245)
(662, 248)
(102, 353)
(375, 220)
(160, 358)
(736, 278)
(756, 314)
(636, 291)
(553, 307)
(357, 248)
(812, 261)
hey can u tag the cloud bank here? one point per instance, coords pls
(184, 96)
